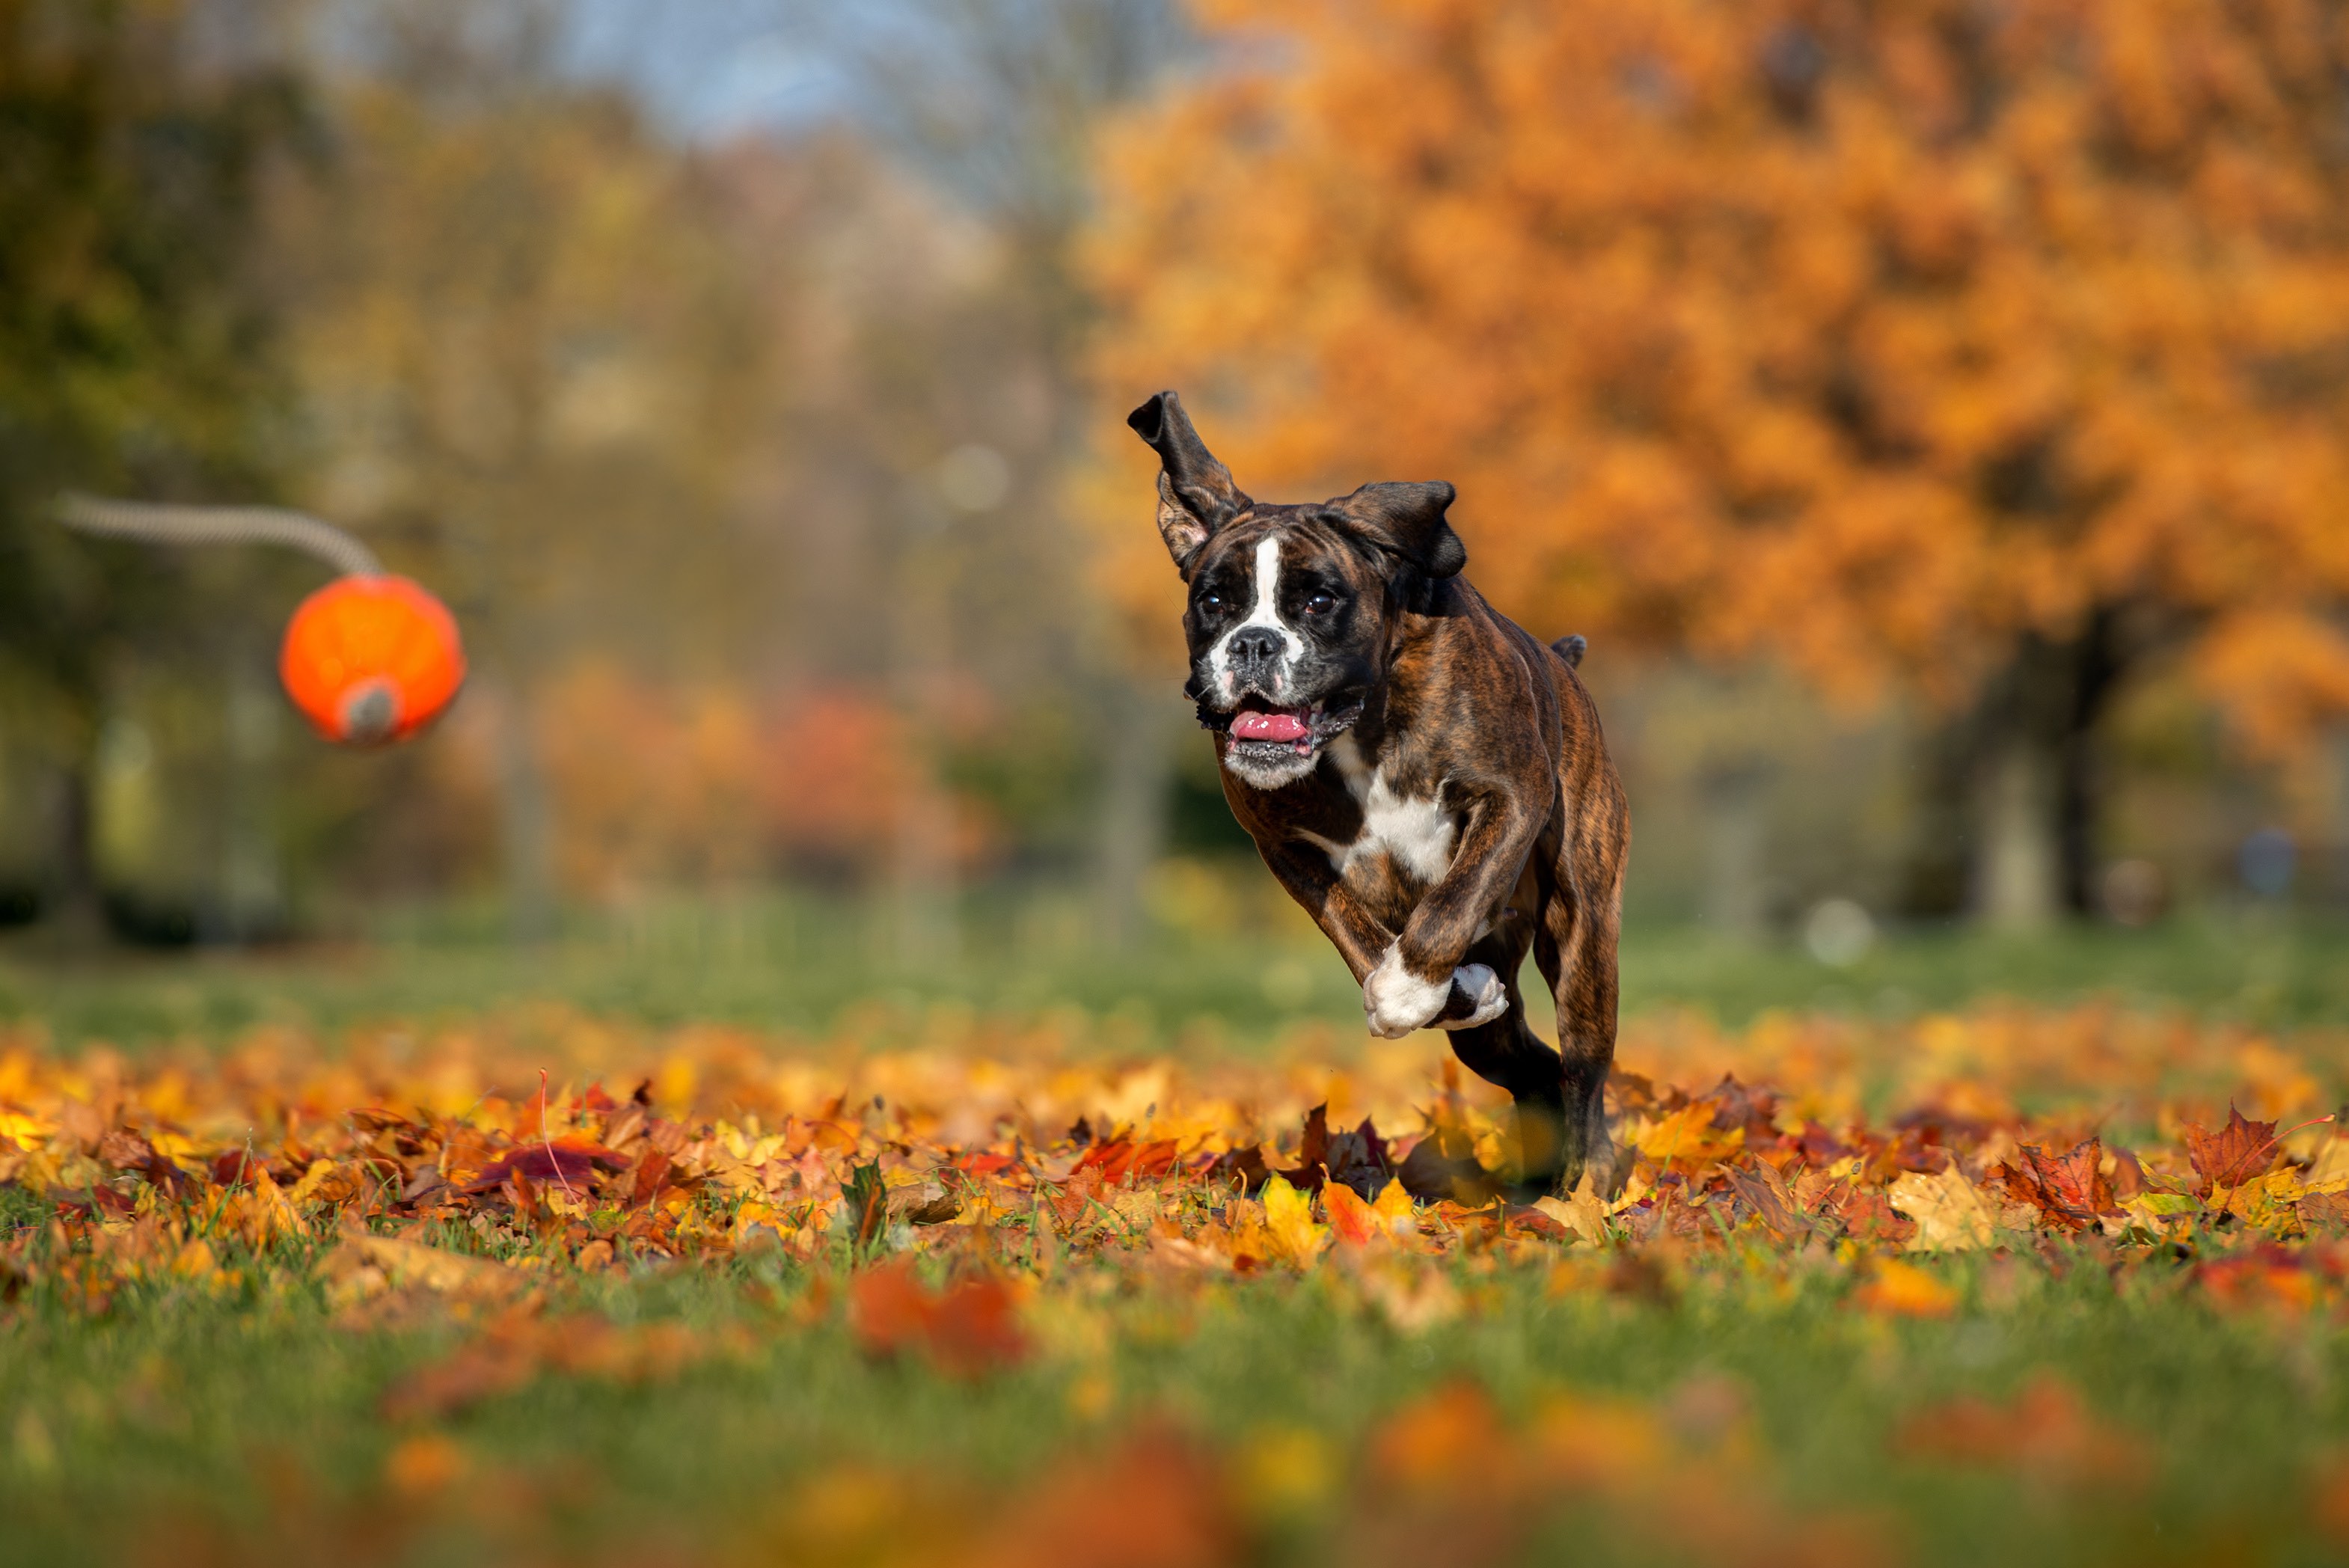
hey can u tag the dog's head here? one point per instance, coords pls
(1292, 608)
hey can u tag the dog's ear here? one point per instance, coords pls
(1195, 493)
(1407, 520)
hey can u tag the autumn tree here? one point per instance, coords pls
(993, 105)
(134, 350)
(531, 357)
(1987, 355)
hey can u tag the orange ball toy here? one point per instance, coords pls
(371, 659)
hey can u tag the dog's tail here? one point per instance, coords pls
(1569, 648)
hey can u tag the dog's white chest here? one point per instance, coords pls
(1417, 834)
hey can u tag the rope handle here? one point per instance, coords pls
(161, 522)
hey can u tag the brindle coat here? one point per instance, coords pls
(1450, 801)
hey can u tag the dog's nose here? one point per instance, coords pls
(1253, 650)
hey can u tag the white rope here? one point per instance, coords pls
(163, 524)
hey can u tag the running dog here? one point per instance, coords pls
(1424, 777)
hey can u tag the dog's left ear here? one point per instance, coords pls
(1195, 492)
(1407, 520)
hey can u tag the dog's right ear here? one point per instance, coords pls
(1195, 493)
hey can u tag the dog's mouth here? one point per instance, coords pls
(1257, 724)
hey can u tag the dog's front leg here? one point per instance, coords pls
(1359, 937)
(1418, 980)
(1363, 940)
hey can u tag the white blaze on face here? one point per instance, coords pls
(1264, 615)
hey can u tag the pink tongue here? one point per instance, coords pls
(1255, 725)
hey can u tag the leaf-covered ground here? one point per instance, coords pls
(2050, 1285)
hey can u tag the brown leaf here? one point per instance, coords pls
(1758, 1183)
(125, 1149)
(652, 1170)
(1358, 1161)
(1312, 1152)
(2233, 1156)
(866, 1205)
(564, 1162)
(1443, 1166)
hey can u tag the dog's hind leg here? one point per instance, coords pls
(1575, 948)
(1506, 1053)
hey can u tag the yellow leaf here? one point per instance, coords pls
(1687, 1136)
(318, 1172)
(1950, 1212)
(1583, 1214)
(1289, 1216)
(1396, 1211)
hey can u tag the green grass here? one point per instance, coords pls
(180, 1424)
(804, 971)
(253, 1419)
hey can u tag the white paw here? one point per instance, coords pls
(1484, 989)
(1395, 1001)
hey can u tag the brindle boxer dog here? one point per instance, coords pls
(1426, 778)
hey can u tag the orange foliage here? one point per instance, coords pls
(1871, 337)
(649, 785)
(654, 785)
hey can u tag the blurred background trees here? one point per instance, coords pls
(1933, 414)
(1990, 356)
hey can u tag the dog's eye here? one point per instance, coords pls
(1320, 603)
(1211, 601)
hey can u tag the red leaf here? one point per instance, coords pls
(233, 1167)
(562, 1162)
(1118, 1160)
(2069, 1190)
(2237, 1152)
(651, 1172)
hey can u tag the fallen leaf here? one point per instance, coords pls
(564, 1160)
(1351, 1220)
(2069, 1190)
(2235, 1153)
(865, 1206)
(1949, 1210)
(1289, 1216)
(1583, 1214)
(1687, 1138)
(1312, 1152)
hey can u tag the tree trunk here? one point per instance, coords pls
(1135, 800)
(2040, 784)
(77, 905)
(2079, 760)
